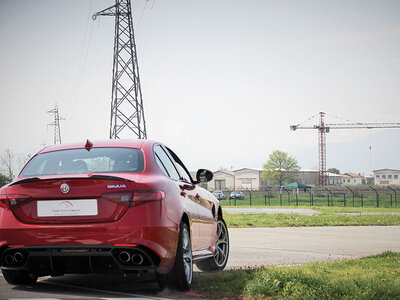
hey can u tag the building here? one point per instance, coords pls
(308, 177)
(241, 179)
(353, 179)
(223, 180)
(311, 177)
(249, 179)
(387, 176)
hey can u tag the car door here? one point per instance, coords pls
(166, 164)
(204, 205)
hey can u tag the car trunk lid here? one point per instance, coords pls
(74, 199)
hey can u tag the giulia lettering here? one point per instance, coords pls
(112, 186)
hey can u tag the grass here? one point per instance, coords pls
(337, 201)
(328, 217)
(373, 277)
(295, 220)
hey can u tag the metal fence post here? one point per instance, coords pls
(362, 200)
(250, 195)
(395, 194)
(377, 196)
(352, 192)
(229, 199)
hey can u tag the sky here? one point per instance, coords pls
(222, 81)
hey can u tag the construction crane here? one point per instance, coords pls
(127, 114)
(324, 128)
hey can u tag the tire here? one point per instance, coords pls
(220, 258)
(181, 275)
(19, 277)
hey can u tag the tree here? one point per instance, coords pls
(280, 168)
(7, 163)
(333, 170)
(4, 180)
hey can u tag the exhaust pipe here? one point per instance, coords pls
(137, 259)
(124, 257)
(9, 260)
(18, 257)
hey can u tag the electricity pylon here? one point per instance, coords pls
(127, 115)
(56, 124)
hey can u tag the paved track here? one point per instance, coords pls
(297, 245)
(249, 247)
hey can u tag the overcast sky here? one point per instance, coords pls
(222, 80)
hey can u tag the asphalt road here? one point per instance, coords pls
(297, 245)
(249, 247)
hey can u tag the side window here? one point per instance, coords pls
(166, 164)
(181, 168)
(183, 173)
(160, 164)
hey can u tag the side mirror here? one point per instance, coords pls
(204, 175)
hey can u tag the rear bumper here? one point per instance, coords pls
(144, 227)
(80, 259)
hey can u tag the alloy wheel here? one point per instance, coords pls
(187, 256)
(222, 244)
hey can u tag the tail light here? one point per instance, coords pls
(8, 201)
(123, 198)
(143, 196)
(135, 198)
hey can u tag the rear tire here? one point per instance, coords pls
(19, 277)
(220, 258)
(181, 275)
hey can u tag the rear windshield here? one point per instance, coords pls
(81, 161)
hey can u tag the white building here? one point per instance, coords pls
(251, 179)
(222, 180)
(248, 179)
(353, 179)
(387, 176)
(241, 179)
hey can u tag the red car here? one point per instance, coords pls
(118, 206)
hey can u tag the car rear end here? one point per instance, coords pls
(57, 220)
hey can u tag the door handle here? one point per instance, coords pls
(186, 187)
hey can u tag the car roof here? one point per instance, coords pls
(123, 143)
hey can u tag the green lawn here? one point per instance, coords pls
(328, 217)
(374, 277)
(338, 200)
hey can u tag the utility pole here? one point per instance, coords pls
(56, 124)
(127, 114)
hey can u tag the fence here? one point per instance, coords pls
(338, 196)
